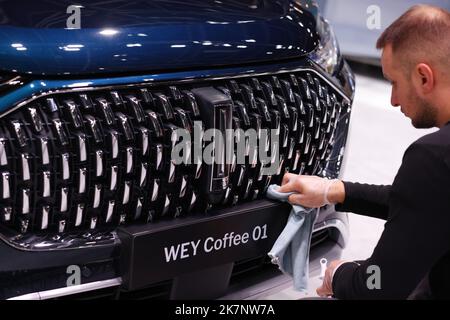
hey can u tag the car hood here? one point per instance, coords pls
(149, 36)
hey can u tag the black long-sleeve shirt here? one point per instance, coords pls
(417, 231)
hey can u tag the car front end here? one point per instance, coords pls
(92, 203)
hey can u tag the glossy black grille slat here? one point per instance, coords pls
(101, 158)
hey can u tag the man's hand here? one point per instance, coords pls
(313, 192)
(326, 290)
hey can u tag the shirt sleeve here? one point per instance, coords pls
(415, 237)
(365, 199)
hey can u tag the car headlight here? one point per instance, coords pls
(327, 55)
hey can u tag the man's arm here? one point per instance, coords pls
(315, 192)
(365, 199)
(416, 235)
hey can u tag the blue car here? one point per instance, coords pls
(92, 99)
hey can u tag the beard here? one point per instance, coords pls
(426, 115)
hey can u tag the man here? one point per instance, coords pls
(416, 60)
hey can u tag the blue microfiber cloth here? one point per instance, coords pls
(291, 250)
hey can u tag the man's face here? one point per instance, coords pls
(404, 94)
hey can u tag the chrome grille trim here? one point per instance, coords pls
(114, 165)
(185, 81)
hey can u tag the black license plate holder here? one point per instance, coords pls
(148, 251)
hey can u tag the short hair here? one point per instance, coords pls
(421, 32)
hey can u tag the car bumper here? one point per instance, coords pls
(251, 278)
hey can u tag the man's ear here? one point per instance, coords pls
(425, 77)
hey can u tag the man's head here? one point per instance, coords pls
(416, 60)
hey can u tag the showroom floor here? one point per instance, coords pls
(379, 135)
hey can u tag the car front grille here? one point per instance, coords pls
(75, 161)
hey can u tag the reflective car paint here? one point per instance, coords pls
(120, 36)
